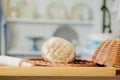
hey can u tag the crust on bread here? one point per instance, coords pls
(58, 50)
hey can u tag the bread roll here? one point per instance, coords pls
(58, 50)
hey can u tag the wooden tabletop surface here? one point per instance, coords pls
(57, 71)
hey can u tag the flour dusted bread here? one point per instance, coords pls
(58, 50)
(108, 53)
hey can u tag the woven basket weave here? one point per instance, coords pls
(108, 53)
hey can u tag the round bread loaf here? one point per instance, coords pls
(58, 50)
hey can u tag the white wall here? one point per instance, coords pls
(115, 22)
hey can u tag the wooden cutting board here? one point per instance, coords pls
(57, 71)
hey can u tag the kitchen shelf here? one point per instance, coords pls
(39, 21)
(57, 71)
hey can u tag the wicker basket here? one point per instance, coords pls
(108, 53)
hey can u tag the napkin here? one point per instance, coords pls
(12, 61)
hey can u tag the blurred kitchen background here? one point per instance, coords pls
(30, 22)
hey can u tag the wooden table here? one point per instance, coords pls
(53, 73)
